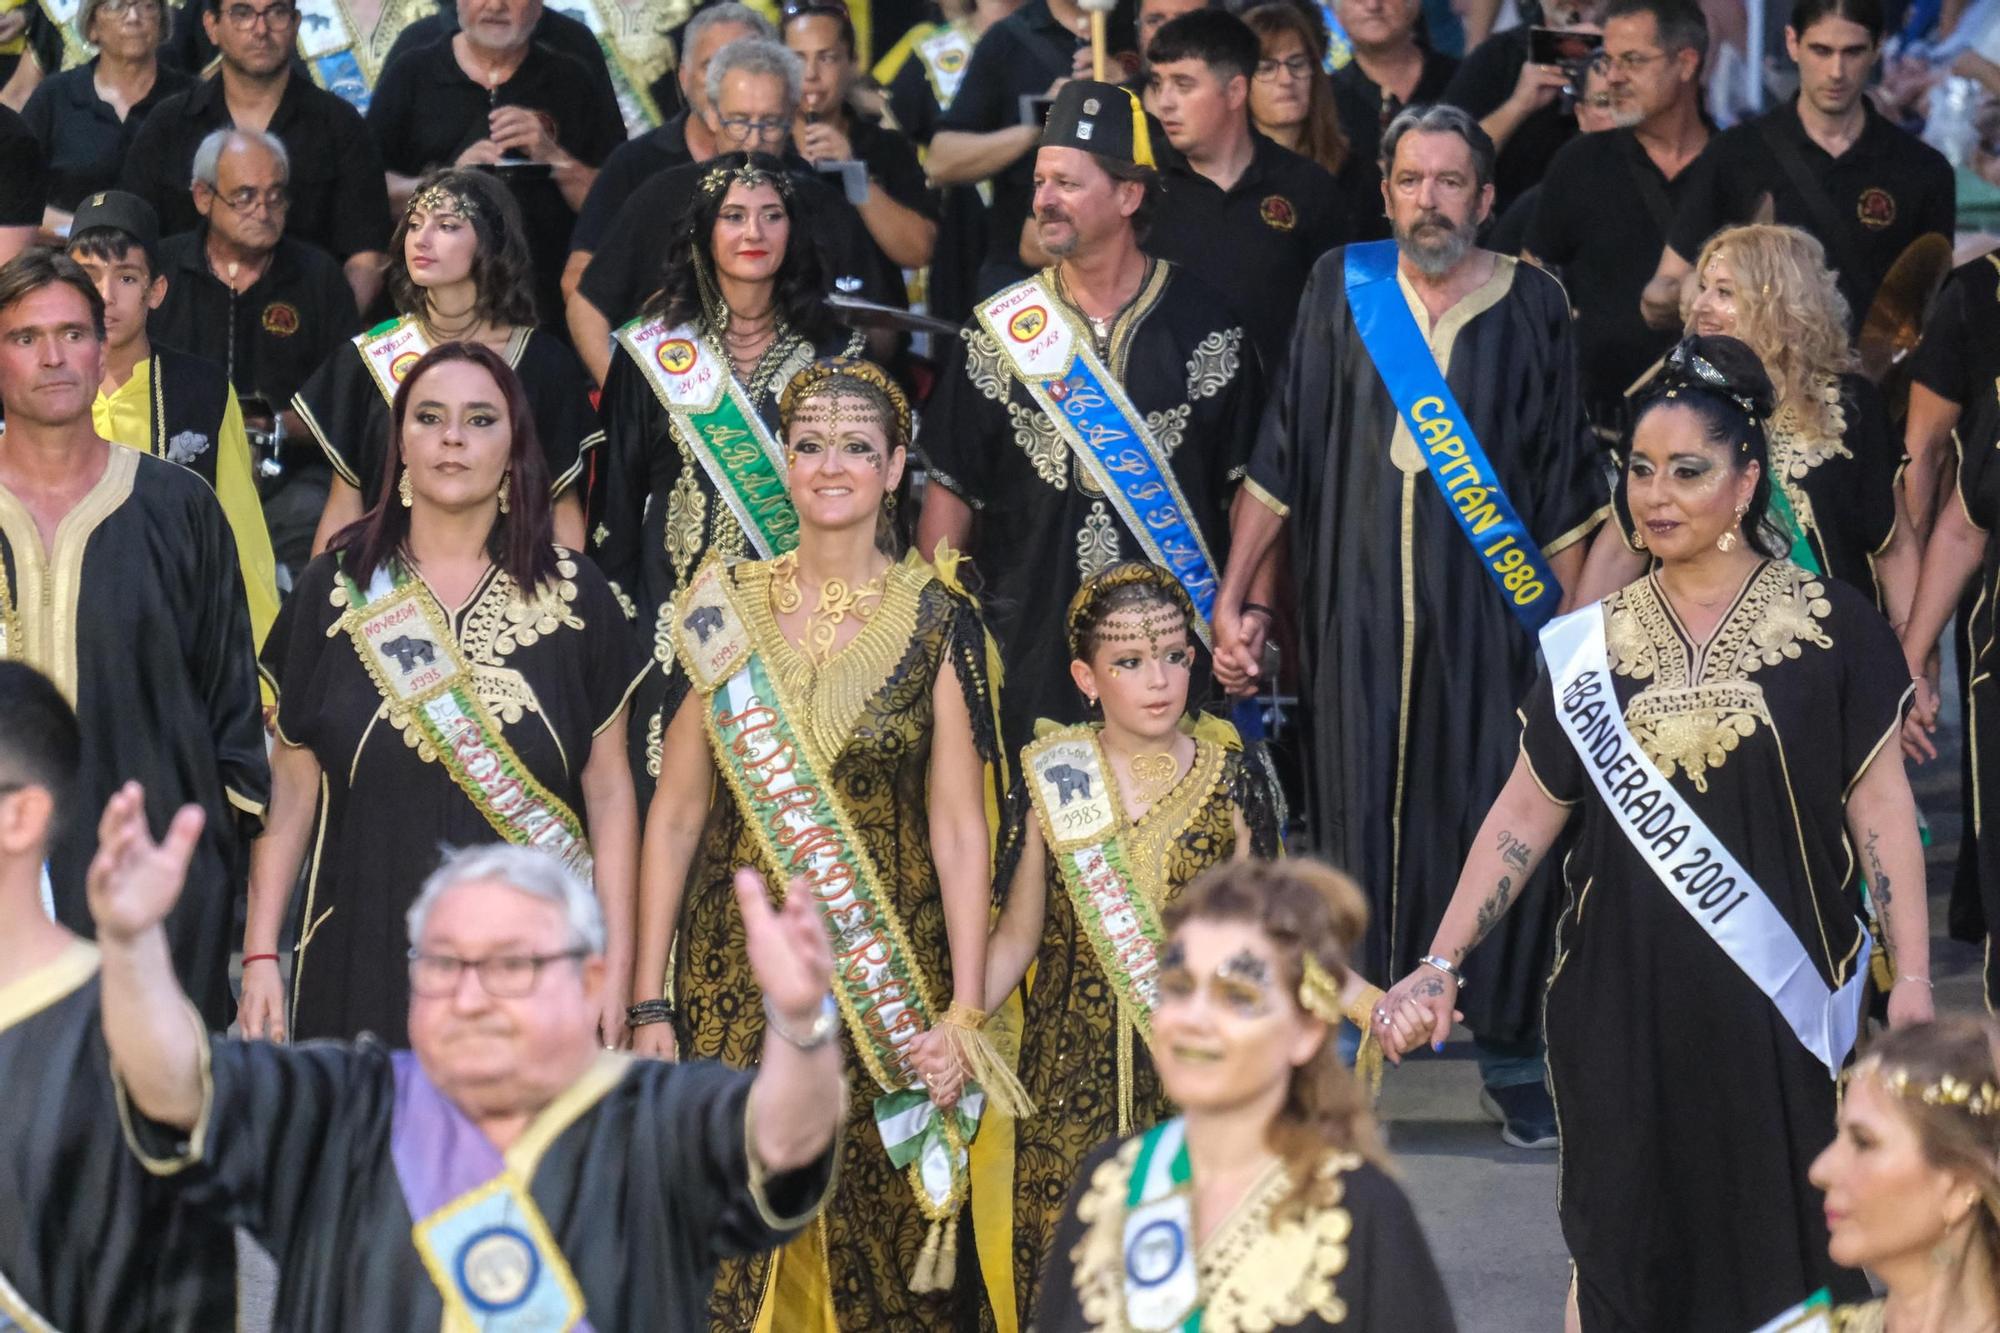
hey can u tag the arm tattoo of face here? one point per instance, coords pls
(1492, 909)
(1879, 888)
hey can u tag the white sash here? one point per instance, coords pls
(390, 351)
(1700, 873)
(944, 56)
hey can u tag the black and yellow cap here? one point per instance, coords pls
(1100, 118)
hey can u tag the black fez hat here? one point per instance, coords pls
(1100, 118)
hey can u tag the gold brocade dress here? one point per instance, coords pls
(867, 730)
(1082, 1060)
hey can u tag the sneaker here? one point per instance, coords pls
(1526, 1114)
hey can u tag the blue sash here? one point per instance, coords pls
(1107, 433)
(1453, 457)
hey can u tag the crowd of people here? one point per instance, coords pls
(858, 678)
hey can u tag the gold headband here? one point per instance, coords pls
(1983, 1100)
(440, 198)
(745, 173)
(1131, 573)
(1319, 993)
(828, 373)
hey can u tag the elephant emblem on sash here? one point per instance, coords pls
(1071, 782)
(703, 622)
(410, 652)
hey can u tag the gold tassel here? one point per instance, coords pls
(1368, 1064)
(983, 1062)
(937, 1263)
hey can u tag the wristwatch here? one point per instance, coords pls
(814, 1037)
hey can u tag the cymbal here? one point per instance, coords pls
(1896, 317)
(860, 314)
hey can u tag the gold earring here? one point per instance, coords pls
(504, 478)
(404, 490)
(889, 502)
(1727, 541)
(1638, 537)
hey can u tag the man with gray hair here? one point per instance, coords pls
(1429, 453)
(267, 307)
(504, 1172)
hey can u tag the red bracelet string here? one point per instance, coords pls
(250, 958)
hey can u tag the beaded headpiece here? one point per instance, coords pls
(1319, 993)
(831, 374)
(438, 197)
(1982, 1099)
(745, 173)
(1131, 573)
(1696, 370)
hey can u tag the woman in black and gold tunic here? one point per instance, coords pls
(1265, 1204)
(838, 732)
(1113, 820)
(446, 675)
(1717, 730)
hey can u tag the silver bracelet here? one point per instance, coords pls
(1443, 965)
(1921, 980)
(819, 1034)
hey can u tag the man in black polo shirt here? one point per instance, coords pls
(336, 186)
(1610, 198)
(1390, 70)
(683, 138)
(1248, 216)
(488, 95)
(24, 185)
(899, 212)
(1518, 104)
(552, 28)
(1828, 161)
(266, 307)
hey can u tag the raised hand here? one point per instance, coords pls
(788, 948)
(133, 881)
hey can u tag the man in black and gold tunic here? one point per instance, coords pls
(1102, 410)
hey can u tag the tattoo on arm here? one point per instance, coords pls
(1514, 851)
(1880, 889)
(1492, 909)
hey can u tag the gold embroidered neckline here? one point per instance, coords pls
(834, 603)
(1796, 451)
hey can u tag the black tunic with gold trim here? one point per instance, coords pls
(344, 407)
(1412, 661)
(642, 1171)
(867, 727)
(655, 516)
(1677, 1083)
(1353, 1259)
(1083, 1062)
(138, 615)
(89, 1241)
(553, 669)
(1041, 526)
(1979, 494)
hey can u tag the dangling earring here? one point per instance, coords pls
(1727, 541)
(889, 502)
(1638, 537)
(404, 491)
(505, 477)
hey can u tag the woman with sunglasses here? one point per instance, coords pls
(1722, 733)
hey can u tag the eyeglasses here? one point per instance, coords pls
(1297, 68)
(275, 200)
(743, 127)
(1629, 61)
(244, 17)
(505, 977)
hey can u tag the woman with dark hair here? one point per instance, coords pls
(1267, 1204)
(1912, 1179)
(1718, 728)
(692, 464)
(1113, 820)
(458, 272)
(838, 733)
(446, 674)
(1291, 96)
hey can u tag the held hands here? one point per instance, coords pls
(133, 881)
(1239, 649)
(1920, 725)
(1418, 1011)
(936, 1058)
(260, 1014)
(789, 952)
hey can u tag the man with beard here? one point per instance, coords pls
(1429, 448)
(1102, 410)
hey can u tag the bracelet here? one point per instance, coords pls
(1443, 965)
(652, 1011)
(1259, 606)
(1921, 980)
(964, 1016)
(818, 1035)
(250, 958)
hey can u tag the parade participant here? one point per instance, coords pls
(692, 463)
(575, 1187)
(337, 193)
(1100, 411)
(118, 580)
(1252, 217)
(1912, 1179)
(1161, 800)
(1833, 459)
(93, 1244)
(839, 727)
(445, 672)
(169, 403)
(460, 274)
(1266, 1204)
(1729, 711)
(1827, 161)
(1428, 428)
(1952, 374)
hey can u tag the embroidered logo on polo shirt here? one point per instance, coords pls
(1876, 208)
(187, 446)
(281, 319)
(1278, 213)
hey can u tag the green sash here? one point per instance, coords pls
(719, 425)
(1080, 819)
(406, 643)
(1801, 553)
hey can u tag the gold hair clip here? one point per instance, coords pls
(438, 198)
(1983, 1100)
(1125, 575)
(745, 173)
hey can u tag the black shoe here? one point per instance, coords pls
(1526, 1114)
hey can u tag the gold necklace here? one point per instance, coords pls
(836, 602)
(1153, 775)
